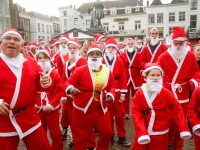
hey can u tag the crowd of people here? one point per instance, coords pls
(93, 86)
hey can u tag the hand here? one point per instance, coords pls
(74, 91)
(122, 98)
(64, 101)
(109, 99)
(4, 108)
(45, 79)
(47, 109)
(72, 59)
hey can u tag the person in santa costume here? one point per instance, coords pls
(48, 100)
(99, 38)
(197, 53)
(33, 49)
(115, 64)
(181, 76)
(121, 46)
(150, 105)
(20, 75)
(153, 49)
(161, 39)
(139, 45)
(55, 43)
(41, 45)
(131, 58)
(87, 85)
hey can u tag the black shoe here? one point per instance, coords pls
(91, 148)
(124, 141)
(64, 133)
(111, 140)
(95, 132)
(71, 145)
(170, 147)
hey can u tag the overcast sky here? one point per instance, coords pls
(50, 7)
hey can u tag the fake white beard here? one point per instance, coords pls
(94, 65)
(138, 45)
(111, 55)
(45, 66)
(155, 86)
(76, 55)
(57, 50)
(64, 50)
(154, 41)
(178, 53)
(130, 49)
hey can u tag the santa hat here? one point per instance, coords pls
(199, 42)
(54, 42)
(11, 31)
(110, 41)
(32, 44)
(64, 37)
(98, 36)
(161, 38)
(41, 40)
(93, 47)
(151, 66)
(138, 40)
(153, 29)
(74, 41)
(120, 42)
(45, 51)
(178, 34)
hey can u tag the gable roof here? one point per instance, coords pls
(40, 16)
(177, 1)
(156, 2)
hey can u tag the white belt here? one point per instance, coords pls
(177, 86)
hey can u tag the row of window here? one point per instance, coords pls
(75, 22)
(41, 28)
(113, 11)
(46, 39)
(24, 24)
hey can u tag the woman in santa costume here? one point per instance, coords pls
(48, 100)
(93, 88)
(150, 105)
(116, 109)
(21, 77)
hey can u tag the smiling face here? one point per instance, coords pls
(11, 45)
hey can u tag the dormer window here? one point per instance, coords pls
(137, 9)
(113, 11)
(128, 10)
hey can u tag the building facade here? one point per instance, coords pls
(56, 25)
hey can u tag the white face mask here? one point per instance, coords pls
(154, 41)
(45, 66)
(111, 55)
(76, 54)
(64, 50)
(94, 65)
(155, 86)
(178, 53)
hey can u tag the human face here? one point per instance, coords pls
(130, 43)
(57, 45)
(197, 52)
(178, 44)
(102, 40)
(111, 48)
(11, 45)
(154, 74)
(154, 33)
(95, 54)
(42, 58)
(33, 50)
(120, 45)
(63, 43)
(72, 48)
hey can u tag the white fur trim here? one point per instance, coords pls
(111, 45)
(123, 91)
(32, 46)
(100, 38)
(11, 32)
(195, 128)
(150, 68)
(195, 83)
(185, 135)
(72, 42)
(49, 105)
(45, 51)
(63, 98)
(183, 101)
(93, 49)
(8, 134)
(64, 38)
(110, 94)
(145, 139)
(71, 66)
(56, 43)
(138, 41)
(1, 101)
(180, 39)
(71, 86)
(153, 29)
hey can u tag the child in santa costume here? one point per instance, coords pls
(150, 106)
(48, 100)
(88, 84)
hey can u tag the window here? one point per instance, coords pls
(193, 21)
(160, 18)
(151, 18)
(106, 26)
(51, 30)
(137, 9)
(182, 16)
(75, 21)
(38, 27)
(64, 13)
(87, 22)
(194, 4)
(42, 27)
(43, 37)
(128, 10)
(137, 25)
(47, 28)
(121, 25)
(7, 11)
(172, 17)
(26, 38)
(75, 34)
(8, 25)
(21, 23)
(48, 39)
(170, 30)
(54, 26)
(65, 22)
(113, 11)
(58, 27)
(26, 25)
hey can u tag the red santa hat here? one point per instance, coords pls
(110, 41)
(11, 31)
(178, 34)
(32, 44)
(153, 29)
(93, 47)
(64, 37)
(41, 40)
(150, 66)
(54, 42)
(98, 36)
(161, 38)
(138, 40)
(74, 41)
(120, 42)
(45, 51)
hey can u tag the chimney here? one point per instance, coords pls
(147, 2)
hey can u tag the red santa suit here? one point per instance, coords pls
(193, 116)
(51, 98)
(31, 54)
(89, 113)
(19, 89)
(150, 119)
(60, 60)
(132, 72)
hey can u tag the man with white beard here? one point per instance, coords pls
(180, 76)
(139, 45)
(115, 64)
(131, 58)
(153, 49)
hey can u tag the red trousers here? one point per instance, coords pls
(174, 134)
(37, 140)
(83, 124)
(51, 120)
(126, 103)
(116, 109)
(70, 108)
(196, 142)
(158, 142)
(65, 116)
